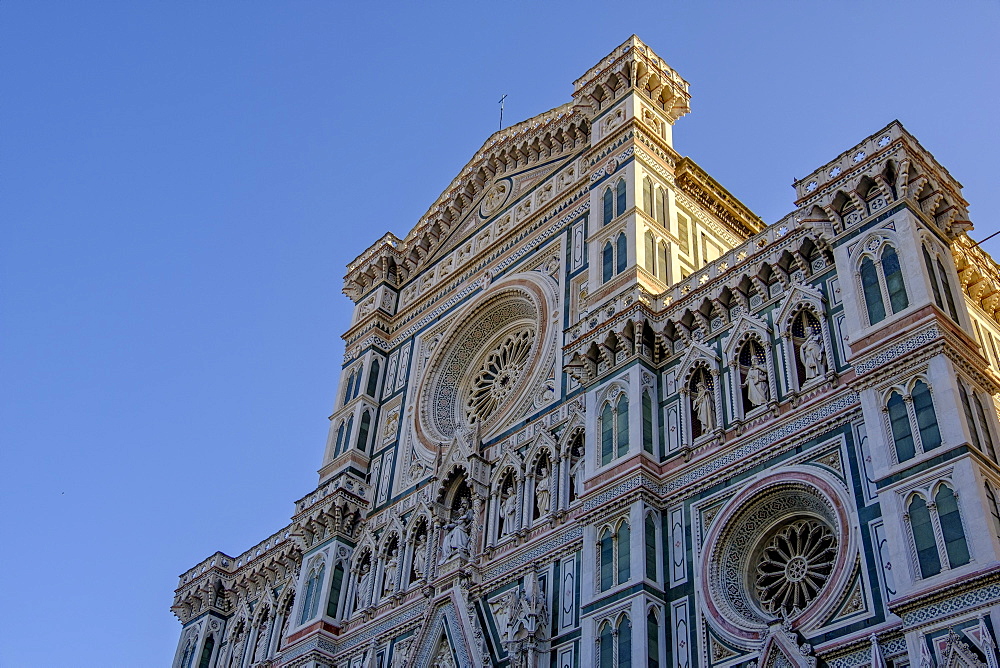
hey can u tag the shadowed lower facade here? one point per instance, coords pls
(594, 412)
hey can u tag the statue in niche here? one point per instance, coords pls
(576, 471)
(813, 356)
(756, 384)
(364, 588)
(508, 510)
(443, 659)
(543, 490)
(419, 556)
(456, 541)
(704, 407)
(391, 569)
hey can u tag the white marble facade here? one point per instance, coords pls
(594, 412)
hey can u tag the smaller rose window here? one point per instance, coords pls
(496, 378)
(794, 566)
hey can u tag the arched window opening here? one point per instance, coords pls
(984, 427)
(923, 408)
(607, 262)
(310, 603)
(624, 642)
(622, 252)
(894, 279)
(753, 376)
(662, 264)
(609, 206)
(206, 653)
(684, 233)
(366, 422)
(650, 253)
(623, 537)
(970, 420)
(340, 438)
(650, 531)
(991, 499)
(660, 208)
(350, 388)
(946, 289)
(620, 203)
(621, 422)
(336, 584)
(647, 423)
(607, 435)
(952, 531)
(899, 423)
(932, 274)
(606, 650)
(701, 392)
(372, 388)
(606, 557)
(923, 538)
(872, 292)
(807, 347)
(347, 432)
(647, 196)
(188, 657)
(652, 640)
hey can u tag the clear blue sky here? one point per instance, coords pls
(183, 183)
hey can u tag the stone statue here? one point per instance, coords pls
(364, 588)
(813, 356)
(576, 472)
(508, 511)
(543, 491)
(391, 569)
(756, 384)
(703, 406)
(419, 556)
(456, 541)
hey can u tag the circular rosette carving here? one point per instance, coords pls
(795, 566)
(488, 363)
(780, 550)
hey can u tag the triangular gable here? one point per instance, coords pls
(781, 649)
(797, 295)
(445, 622)
(745, 324)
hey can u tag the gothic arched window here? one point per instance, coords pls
(660, 208)
(310, 604)
(363, 428)
(923, 537)
(336, 584)
(904, 412)
(940, 285)
(621, 249)
(647, 423)
(609, 205)
(955, 546)
(647, 196)
(979, 426)
(607, 262)
(883, 283)
(621, 422)
(650, 537)
(652, 639)
(620, 198)
(614, 556)
(606, 649)
(650, 254)
(206, 653)
(372, 379)
(624, 642)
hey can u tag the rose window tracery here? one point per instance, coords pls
(498, 375)
(794, 566)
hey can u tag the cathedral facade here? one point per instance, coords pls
(594, 412)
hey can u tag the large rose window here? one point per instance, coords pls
(779, 550)
(794, 566)
(498, 376)
(487, 364)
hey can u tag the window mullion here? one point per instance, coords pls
(938, 534)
